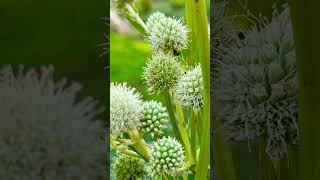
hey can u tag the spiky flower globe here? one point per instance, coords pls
(166, 157)
(167, 34)
(46, 131)
(256, 87)
(155, 118)
(127, 167)
(189, 89)
(162, 72)
(126, 108)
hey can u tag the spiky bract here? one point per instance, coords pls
(166, 157)
(167, 34)
(189, 89)
(126, 108)
(256, 87)
(162, 72)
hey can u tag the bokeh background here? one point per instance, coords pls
(66, 34)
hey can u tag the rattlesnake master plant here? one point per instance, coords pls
(256, 85)
(127, 167)
(119, 5)
(189, 89)
(155, 118)
(166, 157)
(167, 34)
(126, 108)
(162, 72)
(45, 133)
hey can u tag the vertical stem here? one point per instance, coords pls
(266, 169)
(193, 119)
(189, 8)
(202, 42)
(305, 18)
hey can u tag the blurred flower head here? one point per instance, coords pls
(189, 89)
(162, 72)
(127, 167)
(45, 133)
(126, 108)
(167, 34)
(167, 156)
(256, 85)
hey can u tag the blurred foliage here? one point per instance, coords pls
(65, 34)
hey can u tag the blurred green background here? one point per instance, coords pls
(65, 34)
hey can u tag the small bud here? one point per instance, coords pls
(127, 167)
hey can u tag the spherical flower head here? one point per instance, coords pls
(167, 34)
(155, 118)
(119, 5)
(127, 167)
(189, 89)
(256, 86)
(166, 157)
(126, 108)
(162, 73)
(47, 131)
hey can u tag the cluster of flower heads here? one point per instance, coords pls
(45, 133)
(256, 86)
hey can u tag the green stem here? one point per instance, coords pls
(305, 19)
(183, 130)
(193, 119)
(172, 116)
(133, 17)
(266, 171)
(203, 45)
(189, 8)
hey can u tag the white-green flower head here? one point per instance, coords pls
(256, 86)
(167, 156)
(155, 118)
(189, 89)
(126, 108)
(162, 72)
(127, 167)
(119, 5)
(167, 34)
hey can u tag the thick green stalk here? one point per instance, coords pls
(193, 122)
(183, 130)
(172, 116)
(305, 16)
(139, 145)
(189, 8)
(203, 45)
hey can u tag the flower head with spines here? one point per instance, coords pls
(162, 72)
(189, 89)
(126, 108)
(256, 86)
(127, 167)
(155, 118)
(167, 156)
(167, 34)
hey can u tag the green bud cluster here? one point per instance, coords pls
(166, 157)
(155, 118)
(127, 167)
